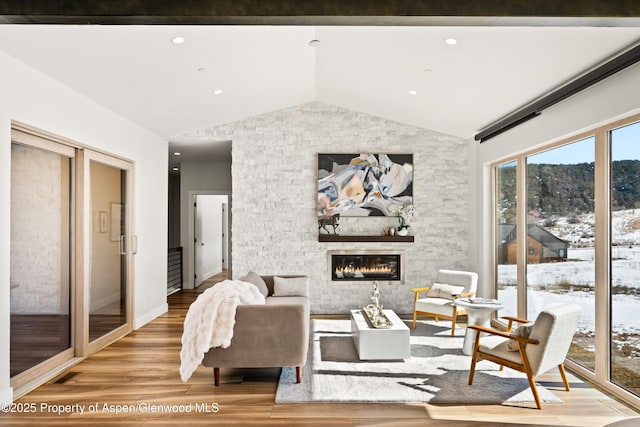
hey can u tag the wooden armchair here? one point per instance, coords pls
(438, 301)
(545, 347)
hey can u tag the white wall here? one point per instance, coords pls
(198, 178)
(610, 99)
(31, 97)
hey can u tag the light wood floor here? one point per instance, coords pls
(142, 369)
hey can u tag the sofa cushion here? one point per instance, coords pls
(304, 301)
(290, 286)
(257, 281)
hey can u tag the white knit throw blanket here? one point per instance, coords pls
(210, 320)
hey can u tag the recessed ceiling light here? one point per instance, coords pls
(177, 153)
(451, 41)
(175, 168)
(315, 43)
(413, 92)
(217, 91)
(177, 40)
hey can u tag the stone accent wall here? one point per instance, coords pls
(274, 182)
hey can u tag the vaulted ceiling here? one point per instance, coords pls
(408, 74)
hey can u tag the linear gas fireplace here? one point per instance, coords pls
(386, 267)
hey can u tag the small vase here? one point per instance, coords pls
(403, 231)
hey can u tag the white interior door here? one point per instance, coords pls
(208, 237)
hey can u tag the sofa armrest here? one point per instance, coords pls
(271, 335)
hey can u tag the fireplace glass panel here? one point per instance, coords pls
(365, 267)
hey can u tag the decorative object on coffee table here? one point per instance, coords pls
(373, 311)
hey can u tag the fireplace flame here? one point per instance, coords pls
(363, 270)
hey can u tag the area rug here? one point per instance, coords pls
(436, 372)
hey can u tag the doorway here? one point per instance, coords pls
(210, 236)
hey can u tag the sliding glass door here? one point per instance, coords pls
(71, 252)
(106, 304)
(41, 261)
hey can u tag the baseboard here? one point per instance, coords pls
(6, 395)
(139, 322)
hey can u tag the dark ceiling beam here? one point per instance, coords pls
(322, 12)
(535, 108)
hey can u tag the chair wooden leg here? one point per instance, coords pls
(415, 315)
(216, 376)
(527, 370)
(453, 322)
(472, 369)
(474, 358)
(564, 377)
(298, 374)
(534, 390)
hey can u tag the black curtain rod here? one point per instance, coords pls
(605, 70)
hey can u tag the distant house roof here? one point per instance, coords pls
(507, 233)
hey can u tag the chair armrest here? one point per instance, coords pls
(512, 319)
(417, 291)
(515, 319)
(466, 294)
(504, 334)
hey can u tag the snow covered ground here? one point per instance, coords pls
(625, 308)
(625, 269)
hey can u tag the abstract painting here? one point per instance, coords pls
(363, 184)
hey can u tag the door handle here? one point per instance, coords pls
(122, 245)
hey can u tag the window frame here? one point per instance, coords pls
(602, 186)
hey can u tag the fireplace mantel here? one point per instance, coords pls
(341, 238)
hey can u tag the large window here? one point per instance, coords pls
(506, 249)
(561, 237)
(579, 211)
(625, 257)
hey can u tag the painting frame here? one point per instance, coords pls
(363, 184)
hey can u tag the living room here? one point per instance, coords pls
(274, 183)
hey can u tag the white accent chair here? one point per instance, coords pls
(545, 347)
(438, 301)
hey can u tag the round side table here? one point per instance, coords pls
(477, 314)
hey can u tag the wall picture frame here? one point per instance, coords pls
(363, 184)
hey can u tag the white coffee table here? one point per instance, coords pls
(477, 314)
(380, 344)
